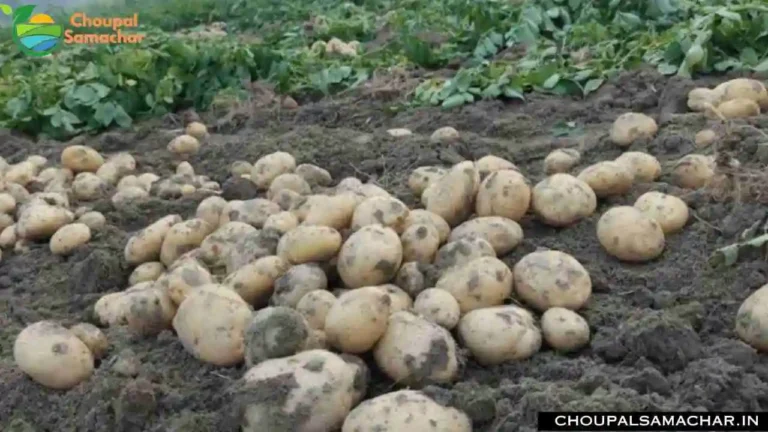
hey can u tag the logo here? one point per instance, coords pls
(36, 34)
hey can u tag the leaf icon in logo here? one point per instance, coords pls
(7, 10)
(22, 14)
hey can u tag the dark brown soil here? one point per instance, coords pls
(662, 332)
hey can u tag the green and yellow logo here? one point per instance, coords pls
(36, 34)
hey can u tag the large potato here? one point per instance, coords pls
(738, 108)
(281, 222)
(297, 282)
(182, 238)
(268, 167)
(251, 247)
(411, 278)
(414, 351)
(254, 212)
(210, 210)
(631, 127)
(314, 306)
(422, 177)
(357, 320)
(644, 167)
(314, 175)
(547, 279)
(128, 196)
(500, 334)
(79, 158)
(275, 332)
(564, 329)
(490, 164)
(183, 279)
(386, 211)
(146, 272)
(184, 146)
(669, 211)
(421, 216)
(561, 200)
(399, 298)
(504, 193)
(41, 221)
(462, 251)
(69, 237)
(438, 306)
(452, 196)
(145, 308)
(197, 130)
(210, 323)
(630, 235)
(89, 187)
(608, 178)
(371, 256)
(309, 243)
(7, 203)
(701, 99)
(501, 233)
(484, 282)
(420, 243)
(255, 282)
(561, 161)
(333, 211)
(21, 173)
(289, 181)
(216, 247)
(752, 319)
(145, 245)
(743, 88)
(52, 355)
(693, 171)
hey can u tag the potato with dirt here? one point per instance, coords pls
(481, 283)
(564, 329)
(210, 210)
(146, 245)
(405, 410)
(702, 99)
(421, 216)
(644, 167)
(371, 256)
(7, 203)
(357, 320)
(501, 233)
(6, 221)
(608, 178)
(387, 211)
(52, 355)
(41, 221)
(414, 351)
(444, 135)
(182, 238)
(420, 243)
(145, 308)
(289, 181)
(196, 130)
(281, 222)
(146, 272)
(561, 161)
(496, 335)
(184, 278)
(270, 166)
(314, 307)
(215, 248)
(255, 282)
(251, 247)
(738, 109)
(422, 177)
(8, 234)
(561, 200)
(438, 306)
(314, 175)
(80, 158)
(668, 210)
(184, 146)
(551, 278)
(21, 173)
(462, 251)
(93, 220)
(399, 298)
(254, 212)
(743, 88)
(69, 237)
(630, 235)
(211, 322)
(296, 283)
(309, 243)
(752, 320)
(411, 277)
(504, 193)
(452, 197)
(275, 332)
(127, 196)
(705, 138)
(693, 171)
(631, 127)
(92, 337)
(489, 164)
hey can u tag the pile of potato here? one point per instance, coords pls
(737, 98)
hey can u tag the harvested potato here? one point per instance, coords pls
(254, 211)
(414, 277)
(309, 243)
(420, 243)
(399, 299)
(501, 233)
(184, 168)
(452, 196)
(211, 322)
(255, 282)
(405, 410)
(299, 205)
(145, 308)
(705, 138)
(52, 355)
(349, 184)
(289, 181)
(371, 256)
(210, 210)
(504, 193)
(693, 171)
(196, 130)
(483, 282)
(608, 178)
(281, 222)
(92, 337)
(561, 200)
(631, 127)
(314, 175)
(421, 217)
(275, 332)
(738, 108)
(564, 329)
(182, 238)
(8, 236)
(743, 88)
(546, 279)
(89, 187)
(181, 280)
(266, 169)
(314, 306)
(93, 220)
(438, 306)
(38, 161)
(146, 180)
(146, 272)
(128, 196)
(69, 237)
(669, 211)
(48, 198)
(424, 176)
(214, 250)
(630, 235)
(414, 351)
(561, 161)
(500, 334)
(146, 245)
(644, 167)
(490, 163)
(41, 221)
(79, 158)
(21, 173)
(7, 203)
(18, 192)
(5, 221)
(297, 282)
(239, 168)
(184, 146)
(357, 320)
(701, 98)
(387, 211)
(251, 247)
(445, 135)
(752, 319)
(462, 251)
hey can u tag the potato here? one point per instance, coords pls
(240, 167)
(7, 203)
(752, 319)
(38, 161)
(251, 247)
(405, 410)
(18, 192)
(299, 205)
(21, 173)
(8, 236)
(561, 200)
(414, 277)
(196, 130)
(48, 198)
(349, 184)
(387, 211)
(211, 322)
(371, 256)
(214, 250)
(146, 245)
(357, 320)
(298, 281)
(22, 246)
(452, 196)
(79, 158)
(644, 167)
(92, 337)
(210, 210)
(145, 308)
(414, 351)
(420, 216)
(608, 178)
(93, 220)
(5, 221)
(289, 181)
(146, 272)
(41, 221)
(255, 282)
(59, 176)
(254, 212)
(445, 135)
(52, 355)
(701, 98)
(483, 282)
(69, 237)
(564, 329)
(550, 278)
(314, 306)
(501, 233)
(89, 187)
(183, 237)
(561, 161)
(399, 299)
(631, 127)
(462, 251)
(743, 88)
(490, 163)
(281, 222)
(181, 280)
(630, 235)
(504, 193)
(314, 175)
(500, 334)
(420, 243)
(424, 176)
(184, 146)
(266, 169)
(738, 108)
(146, 180)
(669, 211)
(128, 196)
(705, 138)
(693, 171)
(275, 332)
(438, 306)
(309, 243)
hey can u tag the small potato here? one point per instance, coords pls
(564, 329)
(452, 196)
(561, 161)
(21, 173)
(215, 248)
(608, 178)
(187, 190)
(357, 320)
(275, 332)
(92, 337)
(211, 322)
(296, 283)
(146, 272)
(399, 299)
(547, 279)
(438, 306)
(561, 200)
(182, 238)
(281, 222)
(501, 233)
(504, 193)
(254, 212)
(41, 221)
(669, 211)
(89, 187)
(289, 181)
(185, 168)
(79, 158)
(7, 203)
(484, 282)
(405, 410)
(314, 175)
(693, 171)
(309, 243)
(128, 196)
(146, 245)
(424, 176)
(184, 146)
(631, 127)
(8, 236)
(197, 130)
(314, 306)
(630, 235)
(701, 99)
(386, 211)
(705, 138)
(739, 108)
(752, 320)
(490, 163)
(445, 135)
(371, 256)
(420, 243)
(255, 282)
(69, 237)
(412, 278)
(93, 220)
(181, 280)
(146, 180)
(414, 351)
(238, 168)
(266, 169)
(18, 192)
(462, 251)
(743, 88)
(52, 355)
(500, 334)
(644, 167)
(420, 216)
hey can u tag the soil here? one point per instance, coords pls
(662, 332)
